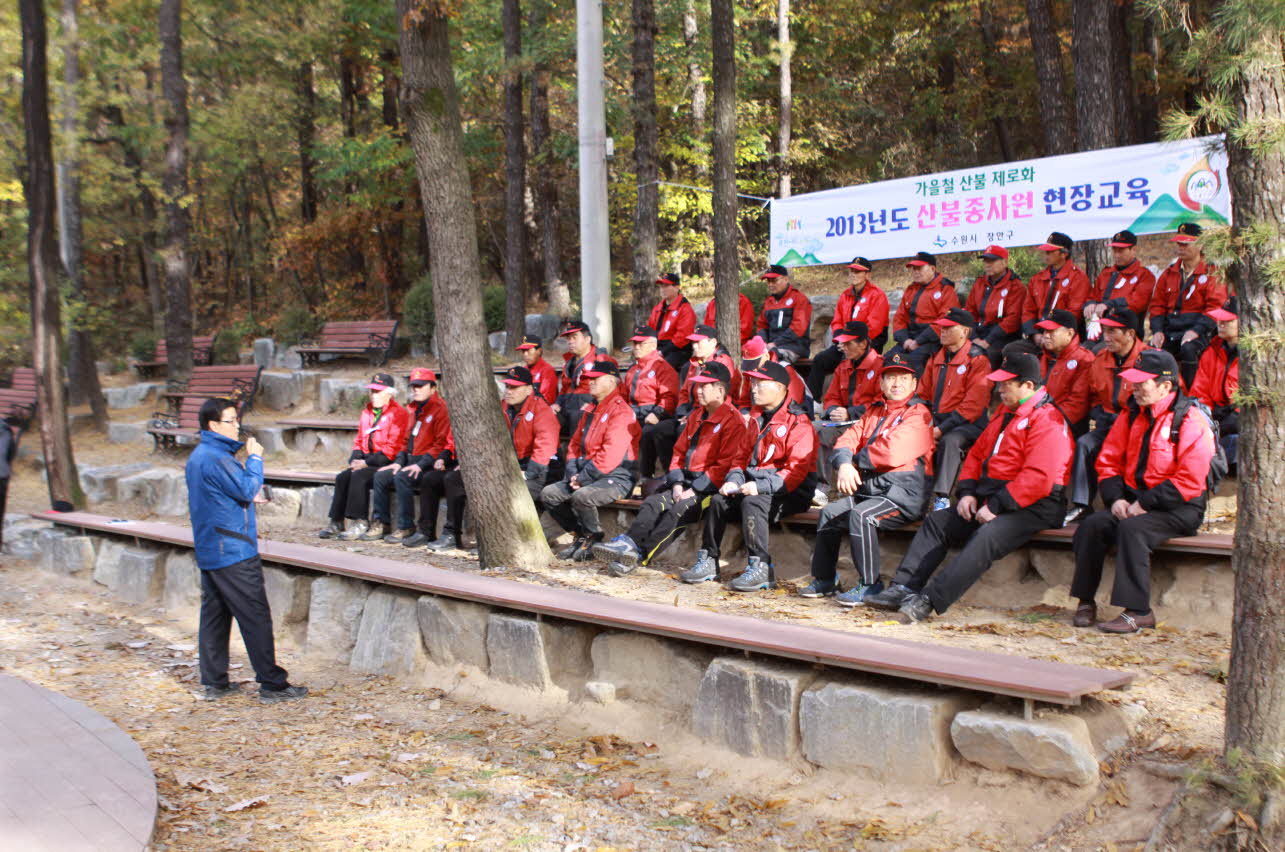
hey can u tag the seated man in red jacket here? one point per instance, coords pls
(714, 441)
(428, 438)
(996, 302)
(602, 464)
(854, 387)
(573, 391)
(1126, 283)
(1066, 364)
(651, 387)
(1060, 284)
(534, 428)
(542, 372)
(927, 298)
(1011, 487)
(674, 318)
(777, 478)
(785, 322)
(381, 432)
(753, 355)
(1218, 377)
(746, 312)
(1186, 291)
(861, 301)
(1153, 468)
(882, 462)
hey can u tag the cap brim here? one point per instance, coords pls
(1133, 374)
(1182, 238)
(990, 257)
(375, 387)
(522, 346)
(767, 276)
(903, 367)
(1220, 315)
(514, 383)
(1122, 245)
(570, 331)
(704, 380)
(419, 383)
(844, 338)
(917, 263)
(945, 323)
(639, 338)
(698, 337)
(593, 374)
(1110, 323)
(856, 267)
(1050, 247)
(1049, 325)
(748, 364)
(763, 377)
(1001, 376)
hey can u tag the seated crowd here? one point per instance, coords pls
(985, 422)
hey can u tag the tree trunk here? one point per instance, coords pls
(1149, 97)
(991, 57)
(178, 288)
(306, 132)
(696, 82)
(82, 371)
(388, 58)
(1122, 71)
(508, 528)
(1256, 678)
(726, 268)
(543, 189)
(787, 98)
(42, 264)
(1059, 132)
(647, 203)
(1095, 109)
(514, 178)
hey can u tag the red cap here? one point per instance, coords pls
(997, 251)
(422, 375)
(1220, 315)
(1048, 325)
(754, 347)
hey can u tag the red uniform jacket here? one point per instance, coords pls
(869, 306)
(1067, 379)
(794, 396)
(1218, 375)
(1108, 393)
(782, 452)
(709, 447)
(605, 442)
(384, 437)
(429, 433)
(573, 380)
(955, 386)
(534, 428)
(892, 437)
(1019, 458)
(651, 386)
(854, 385)
(1134, 284)
(1174, 473)
(997, 306)
(1179, 304)
(920, 305)
(687, 392)
(674, 321)
(1068, 289)
(747, 316)
(546, 380)
(786, 320)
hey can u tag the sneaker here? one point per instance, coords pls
(446, 542)
(620, 549)
(757, 575)
(377, 532)
(274, 696)
(214, 693)
(570, 551)
(332, 530)
(818, 589)
(858, 594)
(941, 503)
(916, 608)
(416, 540)
(1077, 512)
(706, 568)
(1129, 622)
(354, 532)
(585, 552)
(620, 569)
(399, 536)
(820, 498)
(890, 598)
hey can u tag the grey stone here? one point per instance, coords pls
(182, 582)
(657, 671)
(751, 708)
(161, 490)
(284, 505)
(314, 504)
(44, 543)
(1053, 745)
(72, 555)
(334, 616)
(823, 308)
(899, 734)
(109, 553)
(303, 441)
(289, 595)
(265, 349)
(1056, 566)
(454, 631)
(497, 340)
(131, 396)
(388, 640)
(544, 326)
(134, 575)
(99, 483)
(1110, 726)
(341, 394)
(335, 444)
(22, 541)
(283, 391)
(288, 358)
(273, 438)
(600, 691)
(127, 433)
(538, 654)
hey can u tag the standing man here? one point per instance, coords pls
(996, 302)
(651, 387)
(854, 387)
(1060, 284)
(1187, 290)
(928, 298)
(1065, 366)
(220, 500)
(534, 428)
(957, 390)
(746, 310)
(673, 318)
(863, 301)
(1153, 468)
(574, 389)
(786, 320)
(1126, 282)
(1218, 377)
(381, 435)
(543, 375)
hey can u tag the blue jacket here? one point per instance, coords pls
(220, 498)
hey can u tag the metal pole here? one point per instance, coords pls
(595, 244)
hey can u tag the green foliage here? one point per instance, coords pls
(493, 306)
(297, 324)
(1025, 262)
(227, 347)
(417, 312)
(142, 346)
(756, 290)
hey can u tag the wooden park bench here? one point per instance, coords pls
(371, 339)
(236, 382)
(202, 354)
(18, 401)
(167, 428)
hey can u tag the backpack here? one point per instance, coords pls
(1218, 467)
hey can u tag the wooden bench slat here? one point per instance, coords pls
(318, 423)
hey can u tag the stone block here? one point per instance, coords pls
(132, 574)
(388, 639)
(823, 308)
(334, 616)
(283, 391)
(1053, 745)
(335, 444)
(160, 490)
(663, 672)
(545, 326)
(182, 582)
(22, 538)
(288, 358)
(1193, 592)
(751, 708)
(284, 505)
(273, 438)
(1056, 566)
(454, 631)
(1110, 726)
(497, 341)
(71, 555)
(303, 441)
(289, 595)
(341, 394)
(265, 349)
(903, 732)
(127, 433)
(314, 504)
(538, 654)
(1007, 582)
(99, 483)
(131, 396)
(109, 553)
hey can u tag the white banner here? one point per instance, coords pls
(1147, 189)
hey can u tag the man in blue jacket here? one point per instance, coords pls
(220, 499)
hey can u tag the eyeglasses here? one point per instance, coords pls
(233, 420)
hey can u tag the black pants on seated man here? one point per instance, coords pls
(661, 520)
(352, 496)
(858, 519)
(981, 544)
(236, 591)
(1084, 474)
(756, 513)
(439, 484)
(951, 450)
(657, 445)
(1134, 539)
(576, 510)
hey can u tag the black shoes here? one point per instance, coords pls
(416, 540)
(446, 542)
(276, 696)
(581, 550)
(890, 598)
(914, 609)
(214, 693)
(332, 530)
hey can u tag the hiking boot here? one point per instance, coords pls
(859, 594)
(818, 589)
(275, 696)
(941, 503)
(447, 542)
(1129, 622)
(332, 530)
(354, 532)
(1086, 615)
(214, 693)
(399, 536)
(620, 569)
(757, 575)
(620, 549)
(377, 532)
(571, 550)
(890, 598)
(585, 553)
(416, 540)
(705, 568)
(1077, 512)
(916, 608)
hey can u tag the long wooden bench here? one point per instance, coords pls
(980, 671)
(237, 382)
(371, 339)
(202, 355)
(167, 428)
(18, 401)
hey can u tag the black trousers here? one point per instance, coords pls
(981, 544)
(236, 591)
(660, 520)
(1134, 539)
(755, 514)
(951, 450)
(1084, 470)
(4, 496)
(576, 510)
(657, 445)
(1187, 354)
(824, 363)
(858, 519)
(352, 494)
(675, 356)
(436, 485)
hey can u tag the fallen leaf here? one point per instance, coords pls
(354, 779)
(198, 781)
(407, 757)
(246, 804)
(363, 717)
(1248, 820)
(626, 788)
